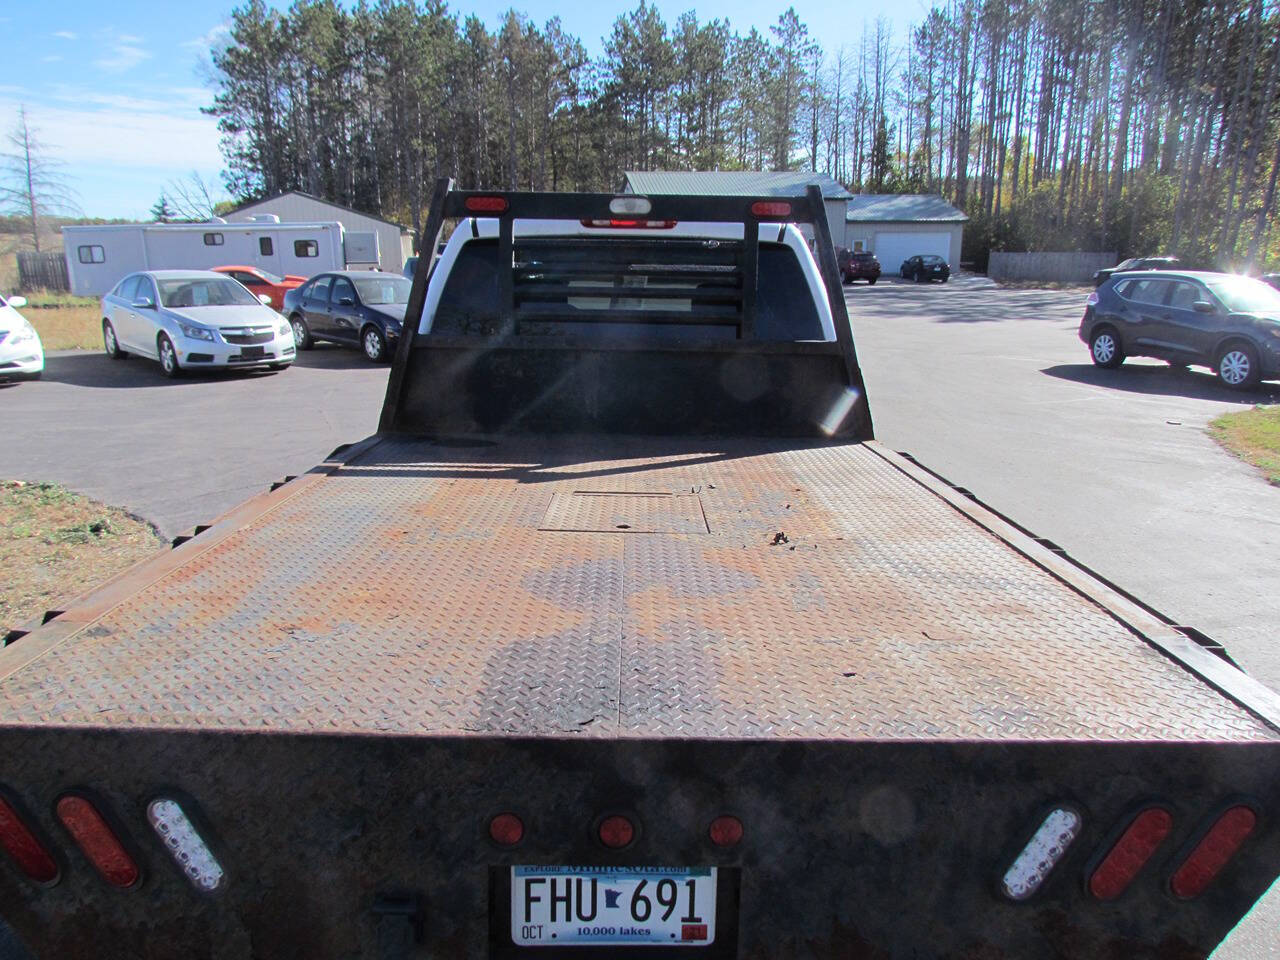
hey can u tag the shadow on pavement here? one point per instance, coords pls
(1162, 381)
(330, 356)
(98, 370)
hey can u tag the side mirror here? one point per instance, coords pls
(264, 299)
(1204, 306)
(16, 302)
(346, 302)
(144, 303)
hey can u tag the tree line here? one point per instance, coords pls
(1142, 126)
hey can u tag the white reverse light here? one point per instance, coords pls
(185, 845)
(1041, 854)
(629, 206)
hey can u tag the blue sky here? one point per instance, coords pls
(115, 89)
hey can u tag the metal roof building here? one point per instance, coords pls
(895, 226)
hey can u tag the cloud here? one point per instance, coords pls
(65, 35)
(123, 51)
(215, 37)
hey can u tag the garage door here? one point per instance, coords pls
(894, 246)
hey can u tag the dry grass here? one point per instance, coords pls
(1254, 436)
(56, 545)
(1081, 288)
(65, 322)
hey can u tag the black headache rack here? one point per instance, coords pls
(633, 331)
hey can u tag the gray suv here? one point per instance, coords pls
(1228, 323)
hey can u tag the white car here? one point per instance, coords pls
(21, 352)
(192, 320)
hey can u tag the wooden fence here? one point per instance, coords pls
(42, 271)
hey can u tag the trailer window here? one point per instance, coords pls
(213, 240)
(264, 246)
(91, 253)
(306, 248)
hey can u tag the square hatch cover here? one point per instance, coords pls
(604, 511)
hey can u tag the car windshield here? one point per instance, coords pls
(1245, 295)
(864, 256)
(270, 277)
(204, 292)
(383, 290)
(931, 259)
(1125, 264)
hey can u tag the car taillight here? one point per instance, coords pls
(770, 209)
(1125, 860)
(486, 204)
(616, 832)
(1213, 852)
(1047, 846)
(185, 845)
(23, 846)
(726, 831)
(1092, 299)
(617, 224)
(506, 829)
(97, 841)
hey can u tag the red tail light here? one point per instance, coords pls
(1130, 854)
(97, 841)
(616, 832)
(486, 204)
(1213, 852)
(617, 224)
(21, 844)
(726, 831)
(770, 209)
(506, 829)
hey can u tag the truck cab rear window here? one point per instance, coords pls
(565, 287)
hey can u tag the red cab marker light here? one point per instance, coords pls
(1125, 860)
(506, 829)
(771, 208)
(97, 841)
(617, 224)
(486, 204)
(22, 845)
(616, 832)
(1212, 853)
(726, 831)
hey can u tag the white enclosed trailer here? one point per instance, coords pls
(98, 256)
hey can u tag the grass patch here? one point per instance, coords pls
(56, 545)
(65, 322)
(1254, 436)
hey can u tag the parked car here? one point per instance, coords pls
(260, 283)
(359, 308)
(857, 265)
(925, 267)
(1273, 279)
(1137, 263)
(21, 352)
(410, 265)
(1228, 323)
(193, 319)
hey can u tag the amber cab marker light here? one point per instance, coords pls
(616, 832)
(97, 841)
(506, 829)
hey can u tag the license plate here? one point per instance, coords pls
(613, 906)
(252, 351)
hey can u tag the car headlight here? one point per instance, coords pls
(24, 334)
(284, 330)
(196, 333)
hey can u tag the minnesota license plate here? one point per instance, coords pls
(253, 351)
(613, 906)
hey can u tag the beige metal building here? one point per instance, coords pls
(895, 226)
(394, 243)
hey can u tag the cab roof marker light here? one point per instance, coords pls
(771, 209)
(185, 845)
(618, 224)
(25, 848)
(1130, 853)
(97, 841)
(630, 206)
(486, 204)
(1046, 847)
(1215, 849)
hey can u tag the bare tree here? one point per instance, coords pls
(33, 184)
(191, 198)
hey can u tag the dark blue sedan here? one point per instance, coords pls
(358, 308)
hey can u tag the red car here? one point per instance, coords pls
(857, 265)
(260, 282)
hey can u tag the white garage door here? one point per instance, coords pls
(894, 246)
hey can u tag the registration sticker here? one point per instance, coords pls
(613, 906)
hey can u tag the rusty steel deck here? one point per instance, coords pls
(611, 588)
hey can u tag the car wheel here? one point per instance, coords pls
(168, 358)
(109, 342)
(1104, 347)
(919, 276)
(301, 335)
(1238, 366)
(375, 347)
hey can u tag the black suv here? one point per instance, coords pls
(1218, 320)
(1137, 263)
(360, 308)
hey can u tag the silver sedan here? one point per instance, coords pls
(193, 319)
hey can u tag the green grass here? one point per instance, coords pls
(1253, 436)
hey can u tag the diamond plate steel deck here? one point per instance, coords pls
(412, 591)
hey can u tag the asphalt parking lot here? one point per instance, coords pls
(989, 387)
